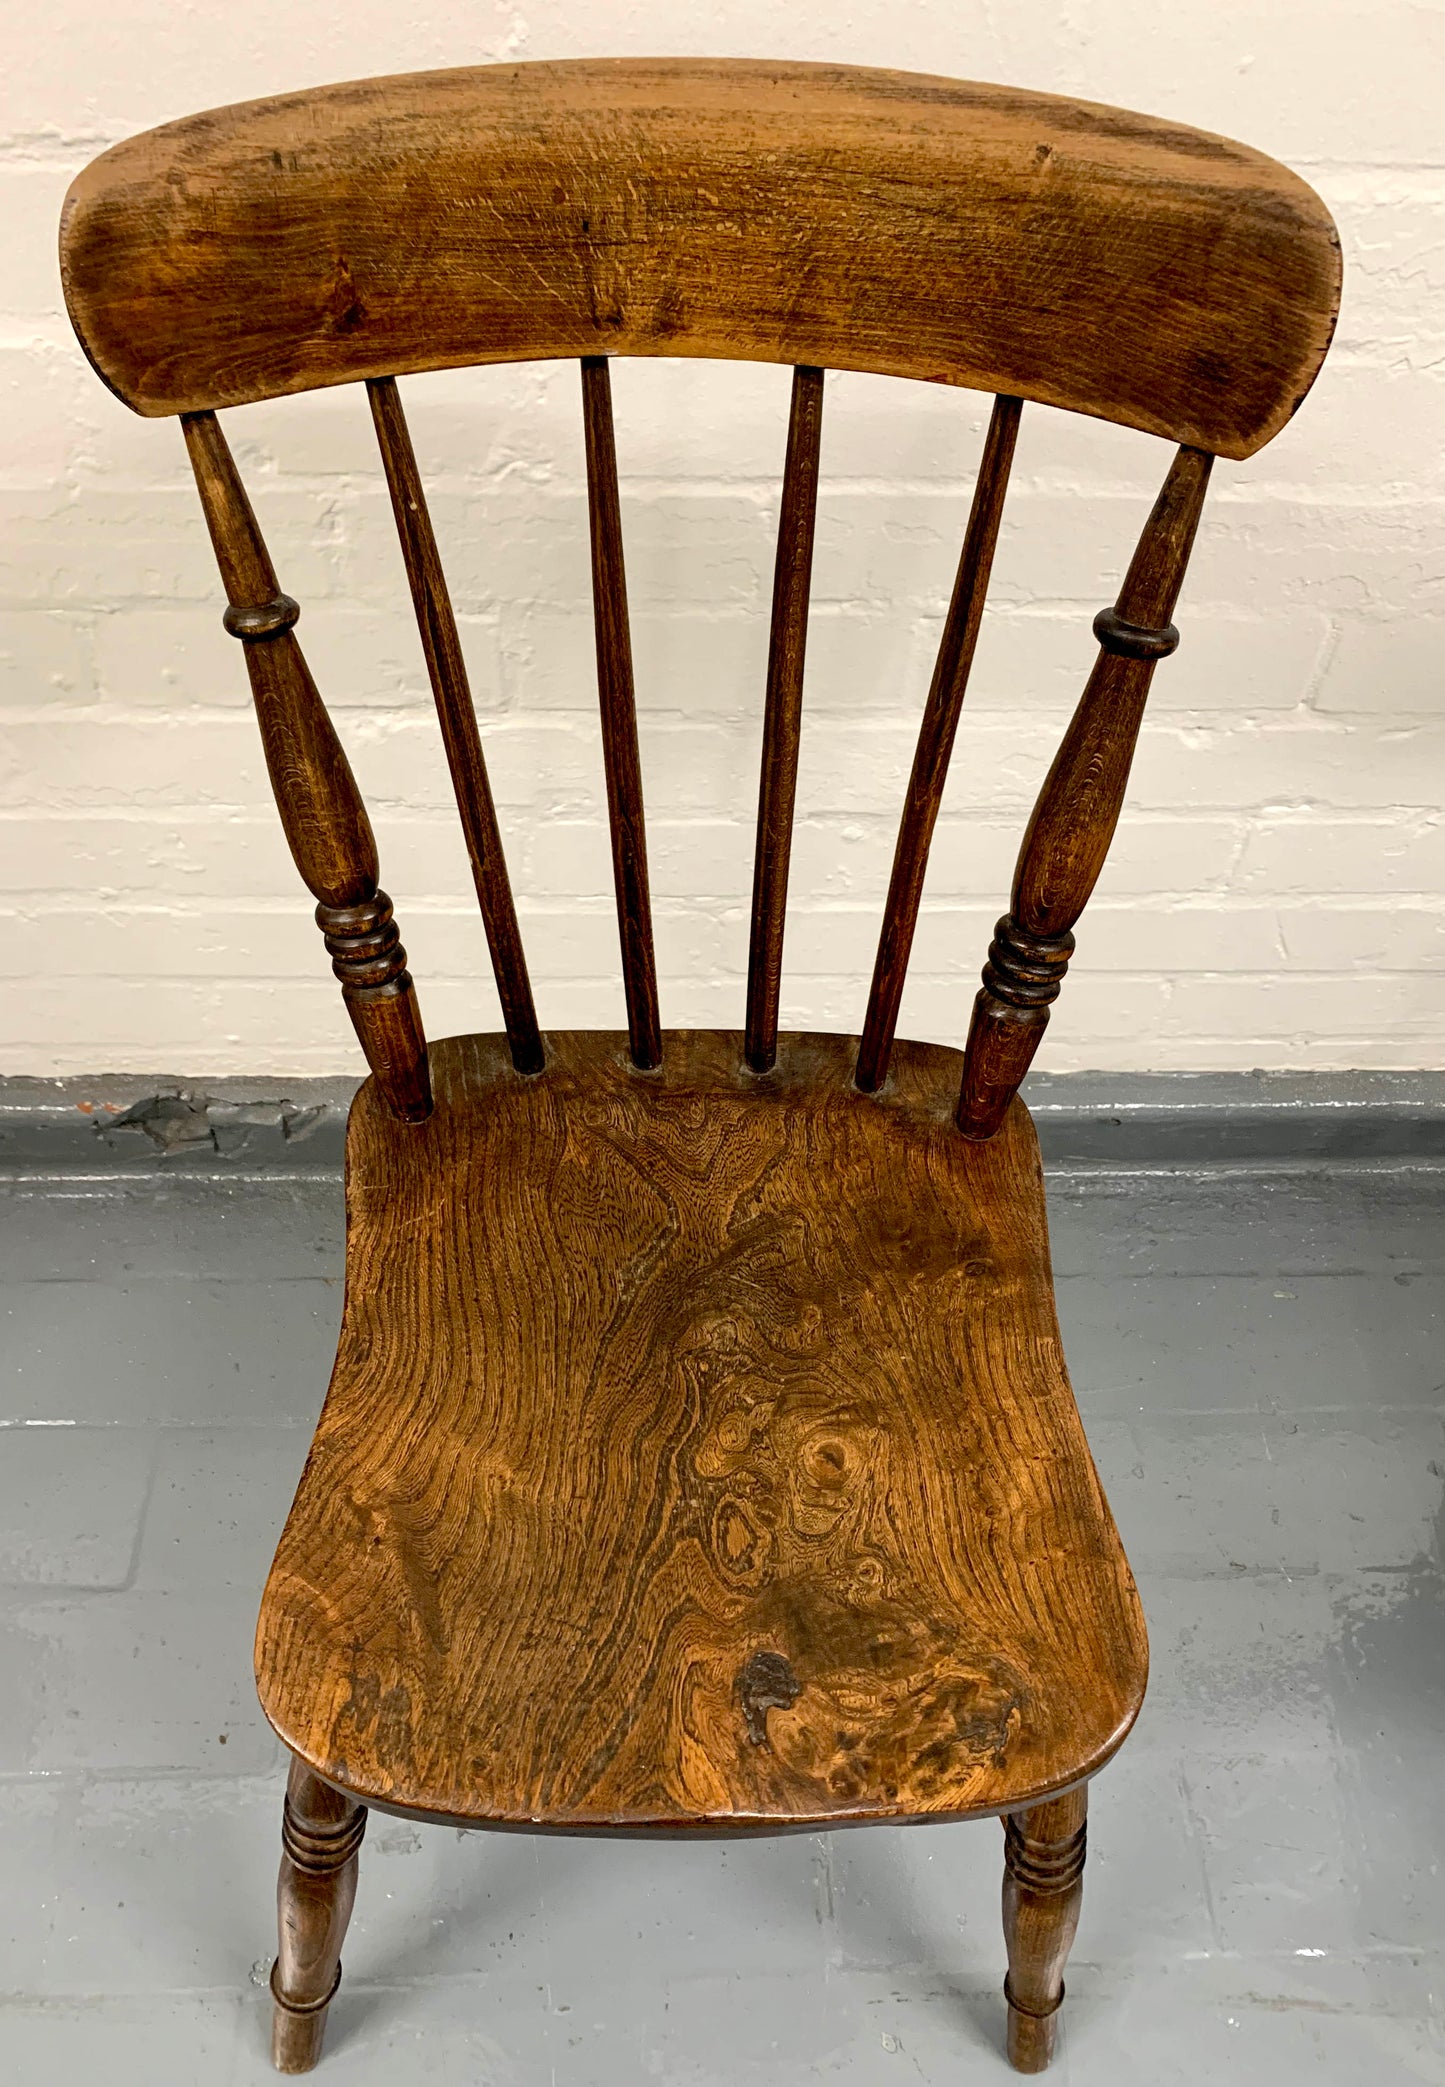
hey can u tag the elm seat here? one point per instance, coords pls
(699, 1453)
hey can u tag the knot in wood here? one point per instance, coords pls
(1025, 970)
(263, 619)
(1134, 640)
(364, 943)
(766, 1683)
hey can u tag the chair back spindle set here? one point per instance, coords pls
(1064, 848)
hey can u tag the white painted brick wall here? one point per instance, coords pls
(1276, 895)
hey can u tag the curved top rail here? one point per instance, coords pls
(1055, 250)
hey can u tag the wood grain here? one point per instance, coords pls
(936, 735)
(783, 717)
(1073, 822)
(447, 670)
(620, 756)
(1043, 1889)
(699, 1456)
(321, 810)
(1116, 264)
(321, 1834)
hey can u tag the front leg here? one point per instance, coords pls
(1043, 1885)
(321, 1833)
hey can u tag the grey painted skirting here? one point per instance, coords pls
(1183, 1119)
(127, 1123)
(131, 1124)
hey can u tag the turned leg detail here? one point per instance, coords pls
(321, 1832)
(1043, 1885)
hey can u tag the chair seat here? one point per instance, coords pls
(699, 1455)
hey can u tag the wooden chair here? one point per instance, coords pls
(699, 1456)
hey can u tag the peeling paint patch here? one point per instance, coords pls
(185, 1122)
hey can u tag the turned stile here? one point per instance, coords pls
(1078, 808)
(321, 1833)
(936, 735)
(621, 759)
(783, 716)
(321, 809)
(446, 668)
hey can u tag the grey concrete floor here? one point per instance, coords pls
(1258, 1359)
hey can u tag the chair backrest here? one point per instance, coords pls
(817, 216)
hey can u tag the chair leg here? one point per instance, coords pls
(1043, 1884)
(320, 1834)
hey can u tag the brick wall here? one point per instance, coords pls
(1276, 895)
